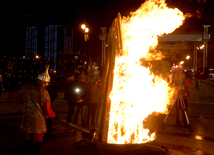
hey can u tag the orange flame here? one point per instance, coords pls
(136, 92)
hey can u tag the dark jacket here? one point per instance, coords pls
(69, 89)
(83, 94)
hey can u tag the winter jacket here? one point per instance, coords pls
(69, 89)
(95, 93)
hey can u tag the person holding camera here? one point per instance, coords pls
(70, 93)
(82, 90)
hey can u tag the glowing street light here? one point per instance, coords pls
(202, 46)
(77, 90)
(187, 57)
(188, 62)
(86, 30)
(86, 36)
(182, 62)
(83, 26)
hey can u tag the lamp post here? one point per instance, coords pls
(180, 64)
(206, 37)
(195, 56)
(187, 58)
(86, 36)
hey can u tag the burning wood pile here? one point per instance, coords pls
(130, 91)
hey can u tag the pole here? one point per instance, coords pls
(79, 128)
(206, 37)
(84, 43)
(195, 58)
(103, 39)
(114, 41)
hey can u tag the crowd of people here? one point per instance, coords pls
(35, 85)
(18, 71)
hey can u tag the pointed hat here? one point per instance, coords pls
(45, 75)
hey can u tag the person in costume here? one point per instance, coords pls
(36, 108)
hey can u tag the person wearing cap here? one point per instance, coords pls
(36, 107)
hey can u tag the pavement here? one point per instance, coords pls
(177, 139)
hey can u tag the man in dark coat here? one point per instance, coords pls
(69, 89)
(82, 99)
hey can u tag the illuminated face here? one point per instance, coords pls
(98, 81)
(83, 79)
(71, 78)
(44, 84)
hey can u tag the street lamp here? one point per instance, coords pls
(86, 30)
(195, 61)
(187, 57)
(180, 64)
(83, 26)
(202, 46)
(86, 36)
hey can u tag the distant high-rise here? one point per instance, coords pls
(31, 41)
(47, 36)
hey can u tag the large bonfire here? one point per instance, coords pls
(136, 92)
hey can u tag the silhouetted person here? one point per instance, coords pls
(69, 89)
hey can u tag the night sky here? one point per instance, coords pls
(96, 14)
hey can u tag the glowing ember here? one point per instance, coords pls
(136, 92)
